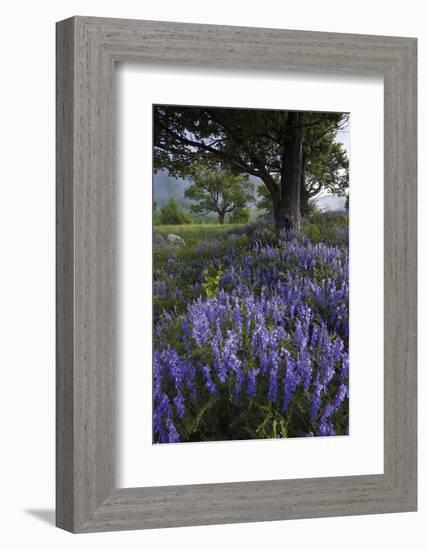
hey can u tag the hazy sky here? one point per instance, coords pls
(344, 136)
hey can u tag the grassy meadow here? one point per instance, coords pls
(197, 232)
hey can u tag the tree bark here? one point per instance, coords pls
(279, 216)
(304, 193)
(288, 212)
(221, 218)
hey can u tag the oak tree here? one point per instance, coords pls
(263, 143)
(215, 190)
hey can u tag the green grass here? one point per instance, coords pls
(328, 227)
(194, 233)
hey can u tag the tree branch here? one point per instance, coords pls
(239, 163)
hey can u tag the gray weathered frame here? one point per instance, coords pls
(87, 50)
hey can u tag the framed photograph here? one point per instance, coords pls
(236, 274)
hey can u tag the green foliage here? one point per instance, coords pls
(265, 200)
(197, 232)
(326, 165)
(202, 242)
(240, 215)
(211, 281)
(251, 142)
(215, 190)
(171, 213)
(329, 227)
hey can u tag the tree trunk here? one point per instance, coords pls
(279, 216)
(221, 218)
(288, 211)
(286, 197)
(304, 193)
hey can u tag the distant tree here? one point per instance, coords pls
(215, 190)
(171, 214)
(240, 215)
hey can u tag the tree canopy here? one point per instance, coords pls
(283, 148)
(215, 190)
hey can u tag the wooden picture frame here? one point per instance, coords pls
(87, 50)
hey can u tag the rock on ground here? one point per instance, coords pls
(175, 239)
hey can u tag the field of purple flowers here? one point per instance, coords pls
(251, 336)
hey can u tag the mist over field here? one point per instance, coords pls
(166, 187)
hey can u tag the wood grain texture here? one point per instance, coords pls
(64, 276)
(87, 49)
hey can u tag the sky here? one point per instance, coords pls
(344, 136)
